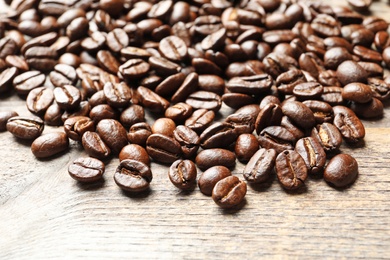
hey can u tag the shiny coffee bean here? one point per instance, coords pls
(269, 115)
(200, 120)
(260, 166)
(27, 81)
(188, 140)
(357, 92)
(229, 192)
(27, 128)
(371, 109)
(210, 177)
(299, 113)
(312, 153)
(94, 145)
(67, 97)
(276, 137)
(133, 176)
(76, 126)
(349, 125)
(341, 171)
(4, 116)
(328, 136)
(139, 133)
(182, 174)
(164, 126)
(132, 115)
(39, 100)
(323, 112)
(204, 100)
(218, 135)
(350, 71)
(215, 156)
(113, 134)
(134, 152)
(163, 149)
(246, 146)
(50, 144)
(86, 169)
(291, 170)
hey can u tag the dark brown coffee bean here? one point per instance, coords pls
(188, 140)
(322, 111)
(333, 96)
(67, 17)
(308, 90)
(132, 115)
(179, 112)
(218, 135)
(292, 128)
(312, 153)
(170, 84)
(299, 114)
(325, 25)
(134, 69)
(244, 69)
(75, 127)
(328, 136)
(260, 166)
(291, 170)
(214, 41)
(276, 137)
(39, 99)
(27, 128)
(278, 36)
(341, 171)
(335, 56)
(117, 94)
(139, 133)
(107, 61)
(113, 134)
(53, 115)
(17, 62)
(204, 99)
(77, 28)
(203, 66)
(237, 100)
(270, 115)
(67, 97)
(246, 146)
(212, 83)
(213, 157)
(207, 24)
(50, 144)
(103, 111)
(288, 80)
(94, 146)
(189, 85)
(311, 64)
(163, 66)
(134, 152)
(41, 58)
(86, 169)
(252, 85)
(152, 101)
(244, 119)
(7, 47)
(375, 24)
(117, 39)
(331, 42)
(366, 54)
(349, 125)
(6, 78)
(372, 109)
(200, 120)
(381, 40)
(27, 81)
(210, 177)
(173, 48)
(4, 116)
(133, 176)
(182, 174)
(357, 92)
(163, 148)
(229, 192)
(63, 75)
(164, 126)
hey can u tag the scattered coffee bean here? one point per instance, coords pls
(210, 177)
(229, 192)
(182, 174)
(291, 170)
(133, 176)
(50, 144)
(341, 170)
(86, 169)
(260, 166)
(27, 128)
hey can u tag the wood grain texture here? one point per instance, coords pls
(46, 214)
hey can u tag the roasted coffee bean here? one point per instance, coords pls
(82, 110)
(276, 137)
(182, 174)
(132, 115)
(188, 140)
(212, 83)
(372, 69)
(386, 56)
(94, 146)
(117, 94)
(53, 115)
(244, 119)
(77, 28)
(139, 133)
(107, 61)
(218, 135)
(371, 109)
(299, 113)
(292, 128)
(164, 126)
(117, 39)
(252, 85)
(163, 149)
(278, 36)
(200, 120)
(134, 152)
(39, 100)
(4, 116)
(357, 92)
(237, 100)
(215, 156)
(163, 67)
(375, 24)
(332, 96)
(203, 66)
(288, 80)
(189, 85)
(326, 26)
(27, 81)
(173, 48)
(134, 69)
(7, 47)
(17, 62)
(152, 101)
(204, 100)
(229, 192)
(210, 177)
(260, 165)
(291, 170)
(322, 111)
(312, 153)
(133, 176)
(328, 136)
(6, 78)
(381, 40)
(63, 75)
(86, 169)
(207, 24)
(170, 84)
(333, 57)
(93, 43)
(308, 90)
(113, 134)
(76, 126)
(27, 128)
(103, 111)
(214, 41)
(270, 115)
(244, 69)
(41, 58)
(349, 125)
(341, 171)
(67, 97)
(351, 71)
(366, 54)
(246, 146)
(179, 112)
(48, 145)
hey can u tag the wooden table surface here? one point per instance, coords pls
(46, 214)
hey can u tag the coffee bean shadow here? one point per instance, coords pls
(91, 186)
(23, 142)
(263, 187)
(54, 156)
(234, 209)
(137, 195)
(299, 191)
(186, 193)
(360, 144)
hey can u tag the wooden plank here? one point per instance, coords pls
(46, 214)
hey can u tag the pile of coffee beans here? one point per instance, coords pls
(297, 76)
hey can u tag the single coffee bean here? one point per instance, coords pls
(53, 115)
(86, 169)
(350, 71)
(246, 146)
(76, 126)
(372, 109)
(333, 96)
(133, 176)
(212, 83)
(357, 92)
(188, 140)
(253, 85)
(27, 128)
(179, 112)
(269, 115)
(63, 75)
(333, 57)
(117, 94)
(117, 39)
(244, 118)
(292, 128)
(312, 153)
(6, 78)
(341, 171)
(323, 112)
(132, 115)
(299, 113)
(41, 58)
(39, 100)
(173, 48)
(308, 90)
(134, 152)
(291, 170)
(260, 165)
(107, 61)
(4, 116)
(139, 133)
(67, 97)
(163, 67)
(328, 136)
(134, 69)
(164, 126)
(210, 177)
(218, 135)
(215, 156)
(276, 137)
(372, 69)
(163, 148)
(182, 174)
(94, 146)
(103, 111)
(113, 134)
(204, 99)
(349, 125)
(189, 85)
(27, 81)
(170, 84)
(152, 101)
(229, 192)
(288, 80)
(50, 144)
(237, 100)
